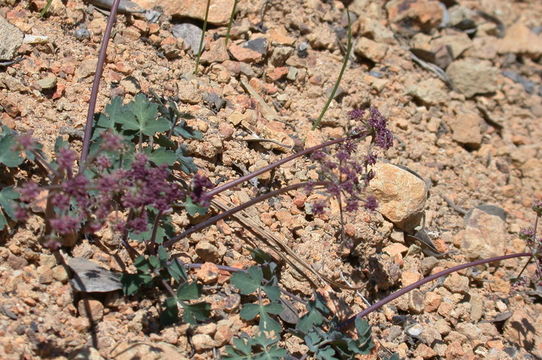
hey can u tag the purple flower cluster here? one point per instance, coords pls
(140, 187)
(26, 142)
(199, 184)
(374, 125)
(346, 174)
(80, 201)
(66, 158)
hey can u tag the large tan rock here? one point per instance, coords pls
(219, 10)
(401, 195)
(484, 235)
(10, 39)
(472, 77)
(152, 351)
(520, 39)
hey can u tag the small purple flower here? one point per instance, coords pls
(382, 136)
(343, 155)
(29, 192)
(369, 176)
(318, 207)
(139, 224)
(537, 207)
(528, 235)
(64, 224)
(102, 162)
(351, 205)
(26, 142)
(199, 184)
(60, 200)
(356, 114)
(371, 203)
(318, 155)
(52, 245)
(110, 141)
(76, 187)
(65, 158)
(370, 159)
(21, 213)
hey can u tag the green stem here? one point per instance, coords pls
(343, 68)
(230, 22)
(200, 48)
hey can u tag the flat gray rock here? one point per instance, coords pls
(91, 277)
(10, 39)
(191, 34)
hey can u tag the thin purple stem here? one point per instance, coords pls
(423, 281)
(96, 84)
(225, 214)
(271, 166)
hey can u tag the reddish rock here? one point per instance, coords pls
(244, 54)
(90, 308)
(432, 301)
(411, 16)
(370, 49)
(219, 10)
(276, 74)
(208, 273)
(216, 53)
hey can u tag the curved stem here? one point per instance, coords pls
(214, 219)
(341, 73)
(96, 84)
(423, 281)
(269, 167)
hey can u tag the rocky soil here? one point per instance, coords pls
(461, 84)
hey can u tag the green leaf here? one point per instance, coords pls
(60, 143)
(170, 313)
(188, 291)
(154, 262)
(145, 113)
(249, 311)
(196, 312)
(365, 341)
(272, 292)
(187, 163)
(187, 132)
(176, 270)
(326, 353)
(363, 328)
(142, 264)
(242, 345)
(163, 255)
(131, 283)
(394, 356)
(192, 208)
(161, 156)
(267, 323)
(3, 221)
(309, 320)
(7, 195)
(8, 156)
(247, 282)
